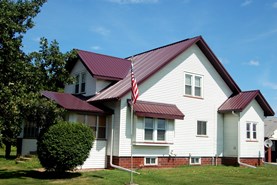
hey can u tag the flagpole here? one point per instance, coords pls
(132, 115)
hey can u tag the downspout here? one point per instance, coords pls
(238, 159)
(111, 153)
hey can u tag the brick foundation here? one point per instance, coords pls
(233, 161)
(163, 162)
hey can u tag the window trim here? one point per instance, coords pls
(150, 164)
(155, 131)
(191, 162)
(81, 82)
(193, 85)
(206, 128)
(251, 131)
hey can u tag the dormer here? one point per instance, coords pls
(94, 72)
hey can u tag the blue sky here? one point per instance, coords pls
(241, 33)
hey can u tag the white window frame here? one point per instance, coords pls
(202, 121)
(80, 81)
(151, 158)
(251, 131)
(155, 130)
(193, 162)
(193, 84)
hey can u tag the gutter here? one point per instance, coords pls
(238, 159)
(111, 154)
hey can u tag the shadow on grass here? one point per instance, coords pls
(10, 174)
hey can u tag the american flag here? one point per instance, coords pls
(135, 91)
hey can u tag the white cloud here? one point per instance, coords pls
(223, 60)
(253, 63)
(274, 5)
(246, 3)
(95, 47)
(36, 39)
(263, 35)
(270, 85)
(134, 1)
(101, 30)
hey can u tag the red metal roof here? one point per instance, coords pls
(70, 102)
(157, 110)
(103, 66)
(148, 63)
(240, 101)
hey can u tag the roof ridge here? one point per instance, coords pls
(164, 46)
(257, 90)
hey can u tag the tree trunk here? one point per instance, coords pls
(8, 150)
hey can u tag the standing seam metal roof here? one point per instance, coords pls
(70, 102)
(103, 66)
(148, 63)
(240, 101)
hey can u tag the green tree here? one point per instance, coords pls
(22, 76)
(15, 71)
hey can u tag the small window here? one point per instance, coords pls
(251, 131)
(77, 79)
(83, 83)
(161, 130)
(198, 86)
(202, 128)
(150, 161)
(188, 85)
(248, 131)
(102, 128)
(195, 160)
(92, 123)
(193, 85)
(148, 129)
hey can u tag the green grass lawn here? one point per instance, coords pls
(28, 173)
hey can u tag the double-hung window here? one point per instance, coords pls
(193, 85)
(154, 129)
(251, 131)
(149, 129)
(202, 128)
(80, 83)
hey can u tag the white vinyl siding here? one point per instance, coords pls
(167, 86)
(253, 147)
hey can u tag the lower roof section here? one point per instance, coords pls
(70, 102)
(157, 110)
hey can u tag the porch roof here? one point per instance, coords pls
(70, 102)
(157, 110)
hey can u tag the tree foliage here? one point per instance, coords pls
(64, 146)
(22, 76)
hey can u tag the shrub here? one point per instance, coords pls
(64, 146)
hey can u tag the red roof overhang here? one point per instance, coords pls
(157, 110)
(72, 103)
(240, 101)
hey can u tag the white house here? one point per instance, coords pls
(189, 112)
(270, 132)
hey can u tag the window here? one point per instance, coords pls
(161, 130)
(30, 130)
(195, 160)
(77, 79)
(83, 83)
(154, 129)
(80, 79)
(148, 129)
(193, 85)
(202, 128)
(96, 123)
(150, 161)
(251, 131)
